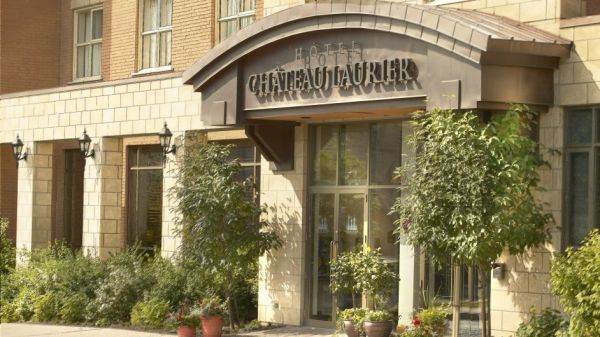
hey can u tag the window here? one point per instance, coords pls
(248, 156)
(144, 195)
(235, 15)
(88, 43)
(582, 157)
(156, 33)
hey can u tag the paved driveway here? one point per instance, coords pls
(44, 330)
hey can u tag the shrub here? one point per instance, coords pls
(545, 324)
(124, 284)
(73, 308)
(45, 307)
(44, 288)
(7, 252)
(169, 281)
(151, 313)
(575, 279)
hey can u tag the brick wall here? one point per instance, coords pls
(29, 54)
(122, 37)
(193, 31)
(8, 189)
(66, 43)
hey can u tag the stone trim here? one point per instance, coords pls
(81, 86)
(84, 3)
(580, 21)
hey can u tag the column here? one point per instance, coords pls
(34, 203)
(103, 226)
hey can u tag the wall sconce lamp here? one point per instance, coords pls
(498, 270)
(165, 136)
(84, 145)
(18, 150)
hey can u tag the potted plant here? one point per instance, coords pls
(212, 310)
(350, 321)
(434, 318)
(343, 280)
(363, 271)
(378, 323)
(416, 330)
(185, 321)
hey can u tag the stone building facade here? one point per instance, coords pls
(121, 69)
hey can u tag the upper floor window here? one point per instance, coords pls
(582, 152)
(156, 33)
(235, 15)
(88, 43)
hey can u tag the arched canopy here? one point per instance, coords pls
(337, 59)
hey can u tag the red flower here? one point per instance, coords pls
(416, 321)
(426, 330)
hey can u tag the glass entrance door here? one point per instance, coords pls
(351, 190)
(333, 235)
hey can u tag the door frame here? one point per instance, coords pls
(336, 191)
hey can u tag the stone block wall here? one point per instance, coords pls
(281, 275)
(34, 205)
(115, 114)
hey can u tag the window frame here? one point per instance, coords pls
(135, 150)
(91, 42)
(237, 17)
(592, 149)
(160, 29)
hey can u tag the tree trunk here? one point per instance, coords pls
(483, 273)
(236, 310)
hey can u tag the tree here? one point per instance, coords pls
(470, 190)
(575, 277)
(218, 220)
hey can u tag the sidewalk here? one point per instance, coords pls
(44, 330)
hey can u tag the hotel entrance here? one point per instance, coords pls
(352, 189)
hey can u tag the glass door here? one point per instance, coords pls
(352, 188)
(331, 236)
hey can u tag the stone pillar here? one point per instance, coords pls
(103, 229)
(34, 204)
(408, 288)
(170, 242)
(281, 273)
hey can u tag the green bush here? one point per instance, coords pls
(73, 308)
(45, 307)
(545, 324)
(46, 285)
(124, 284)
(575, 278)
(151, 313)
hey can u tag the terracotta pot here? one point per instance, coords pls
(349, 328)
(186, 331)
(378, 329)
(211, 326)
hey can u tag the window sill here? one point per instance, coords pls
(149, 71)
(580, 21)
(85, 80)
